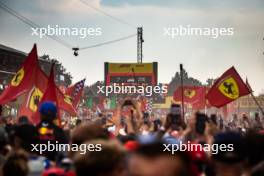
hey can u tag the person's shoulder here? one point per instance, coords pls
(38, 125)
(58, 130)
(56, 127)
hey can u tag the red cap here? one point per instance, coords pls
(131, 145)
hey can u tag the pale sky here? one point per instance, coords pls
(203, 57)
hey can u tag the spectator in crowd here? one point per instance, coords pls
(3, 145)
(150, 159)
(16, 164)
(245, 123)
(23, 120)
(257, 124)
(133, 144)
(47, 130)
(83, 133)
(25, 136)
(231, 161)
(109, 161)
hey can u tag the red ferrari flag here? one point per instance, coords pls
(34, 95)
(227, 88)
(49, 95)
(191, 94)
(23, 79)
(75, 92)
(65, 102)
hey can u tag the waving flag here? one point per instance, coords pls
(191, 94)
(75, 92)
(227, 88)
(113, 103)
(34, 95)
(89, 102)
(49, 95)
(65, 102)
(23, 79)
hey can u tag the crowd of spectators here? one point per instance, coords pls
(133, 143)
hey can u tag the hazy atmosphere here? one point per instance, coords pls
(202, 56)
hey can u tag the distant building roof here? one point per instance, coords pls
(3, 47)
(13, 50)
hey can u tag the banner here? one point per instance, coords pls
(23, 79)
(227, 88)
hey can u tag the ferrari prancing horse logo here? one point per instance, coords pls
(18, 77)
(35, 98)
(68, 99)
(229, 88)
(189, 93)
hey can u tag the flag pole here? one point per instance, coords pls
(254, 98)
(257, 103)
(182, 93)
(205, 106)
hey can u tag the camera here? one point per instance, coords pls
(75, 51)
(201, 119)
(145, 118)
